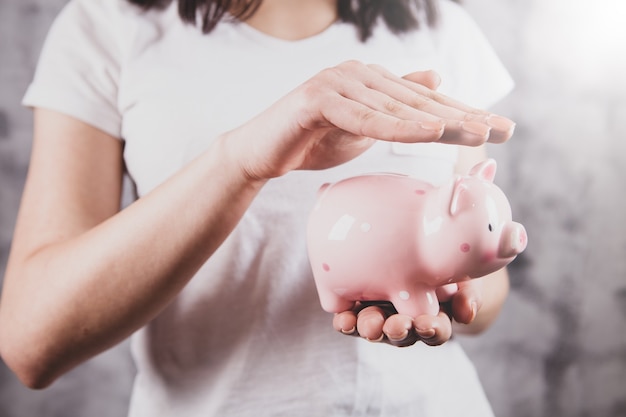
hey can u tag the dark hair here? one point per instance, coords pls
(399, 15)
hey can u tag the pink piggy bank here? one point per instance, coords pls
(395, 238)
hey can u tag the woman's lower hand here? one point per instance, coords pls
(380, 322)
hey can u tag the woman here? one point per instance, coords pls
(227, 125)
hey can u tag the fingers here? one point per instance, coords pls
(429, 79)
(370, 322)
(410, 90)
(467, 301)
(345, 322)
(391, 108)
(378, 323)
(434, 330)
(400, 331)
(366, 319)
(405, 105)
(373, 119)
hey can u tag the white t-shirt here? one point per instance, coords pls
(247, 336)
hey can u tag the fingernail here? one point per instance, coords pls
(501, 123)
(436, 79)
(398, 337)
(426, 333)
(503, 128)
(376, 340)
(474, 307)
(475, 128)
(432, 126)
(349, 331)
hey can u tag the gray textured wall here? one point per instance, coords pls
(560, 346)
(559, 349)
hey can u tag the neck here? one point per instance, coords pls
(294, 19)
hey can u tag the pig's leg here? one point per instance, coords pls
(416, 300)
(445, 292)
(334, 303)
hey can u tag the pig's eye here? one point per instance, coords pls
(490, 228)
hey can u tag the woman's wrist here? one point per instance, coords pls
(227, 155)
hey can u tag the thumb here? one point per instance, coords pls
(467, 301)
(428, 78)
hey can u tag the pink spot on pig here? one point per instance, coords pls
(420, 192)
(325, 267)
(465, 247)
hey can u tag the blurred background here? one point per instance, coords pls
(559, 348)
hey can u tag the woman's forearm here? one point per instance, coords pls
(74, 298)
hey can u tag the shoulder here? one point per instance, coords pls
(87, 12)
(81, 59)
(84, 25)
(88, 35)
(107, 19)
(111, 31)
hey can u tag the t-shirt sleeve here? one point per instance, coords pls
(473, 73)
(79, 67)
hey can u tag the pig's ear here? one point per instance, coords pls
(485, 170)
(461, 198)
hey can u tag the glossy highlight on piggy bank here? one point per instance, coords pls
(395, 238)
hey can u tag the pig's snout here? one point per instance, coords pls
(513, 240)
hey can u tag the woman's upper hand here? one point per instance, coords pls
(337, 114)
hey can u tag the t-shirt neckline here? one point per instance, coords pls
(322, 38)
